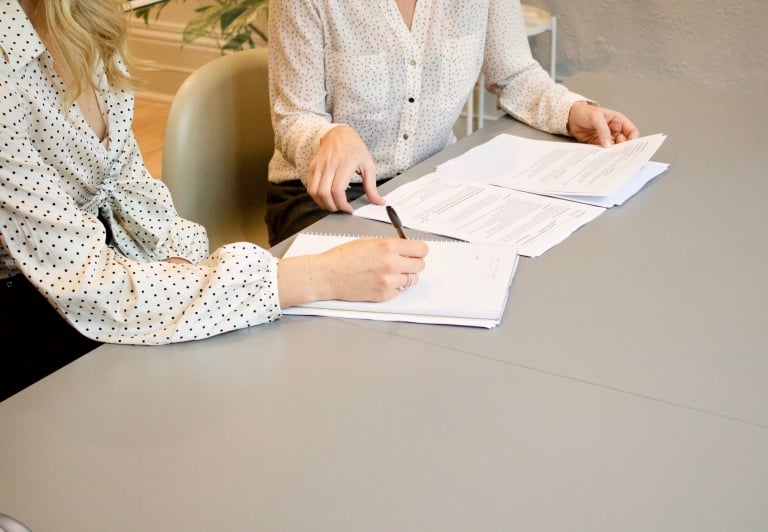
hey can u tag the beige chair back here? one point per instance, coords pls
(218, 143)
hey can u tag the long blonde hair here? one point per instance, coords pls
(86, 31)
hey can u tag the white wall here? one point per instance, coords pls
(160, 42)
(714, 43)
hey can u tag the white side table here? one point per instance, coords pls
(537, 20)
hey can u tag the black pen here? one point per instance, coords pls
(396, 221)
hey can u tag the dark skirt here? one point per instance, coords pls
(35, 340)
(290, 208)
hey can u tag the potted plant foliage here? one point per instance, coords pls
(232, 23)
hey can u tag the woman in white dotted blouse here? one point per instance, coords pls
(364, 89)
(91, 247)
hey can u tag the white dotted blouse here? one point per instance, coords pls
(57, 180)
(355, 62)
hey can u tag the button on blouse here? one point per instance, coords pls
(355, 62)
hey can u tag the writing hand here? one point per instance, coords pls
(342, 154)
(366, 269)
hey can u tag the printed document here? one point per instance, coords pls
(478, 212)
(553, 167)
(529, 193)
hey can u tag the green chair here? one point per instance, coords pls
(218, 143)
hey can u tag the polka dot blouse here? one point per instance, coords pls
(355, 62)
(62, 191)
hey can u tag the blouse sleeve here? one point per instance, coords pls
(140, 214)
(297, 81)
(118, 294)
(525, 89)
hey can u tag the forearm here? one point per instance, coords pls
(534, 99)
(526, 91)
(298, 281)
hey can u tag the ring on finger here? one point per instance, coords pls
(408, 283)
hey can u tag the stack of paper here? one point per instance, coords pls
(528, 193)
(570, 170)
(463, 284)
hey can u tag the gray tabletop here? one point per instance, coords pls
(623, 390)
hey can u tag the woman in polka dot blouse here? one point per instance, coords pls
(91, 247)
(364, 89)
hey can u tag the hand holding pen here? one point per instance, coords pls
(395, 219)
(398, 225)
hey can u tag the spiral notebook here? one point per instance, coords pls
(464, 283)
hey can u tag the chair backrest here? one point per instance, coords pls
(218, 143)
(9, 524)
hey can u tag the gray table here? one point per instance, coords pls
(624, 389)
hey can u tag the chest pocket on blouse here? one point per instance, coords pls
(461, 60)
(358, 86)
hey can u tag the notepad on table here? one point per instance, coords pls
(463, 283)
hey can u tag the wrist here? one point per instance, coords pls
(298, 281)
(318, 277)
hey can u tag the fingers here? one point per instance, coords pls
(414, 249)
(604, 134)
(369, 186)
(410, 280)
(339, 195)
(328, 187)
(341, 155)
(371, 269)
(600, 125)
(400, 262)
(626, 129)
(589, 123)
(412, 253)
(622, 129)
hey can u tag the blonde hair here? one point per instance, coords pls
(86, 31)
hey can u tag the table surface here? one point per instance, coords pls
(624, 389)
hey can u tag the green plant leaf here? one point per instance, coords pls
(229, 22)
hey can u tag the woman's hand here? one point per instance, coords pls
(597, 125)
(367, 269)
(342, 154)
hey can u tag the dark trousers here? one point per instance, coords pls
(290, 209)
(35, 340)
